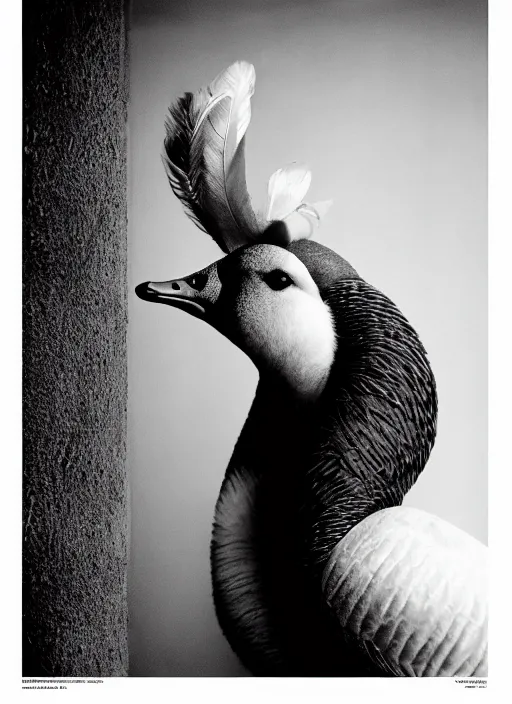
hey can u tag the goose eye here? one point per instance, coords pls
(197, 281)
(277, 280)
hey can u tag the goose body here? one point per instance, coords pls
(316, 568)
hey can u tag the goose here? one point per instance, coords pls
(317, 568)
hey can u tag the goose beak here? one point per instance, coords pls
(175, 293)
(192, 294)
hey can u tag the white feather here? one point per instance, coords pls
(205, 156)
(305, 219)
(205, 164)
(286, 190)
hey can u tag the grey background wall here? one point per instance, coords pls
(387, 102)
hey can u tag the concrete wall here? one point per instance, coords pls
(75, 320)
(387, 102)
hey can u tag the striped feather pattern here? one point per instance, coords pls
(313, 474)
(379, 418)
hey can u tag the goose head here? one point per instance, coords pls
(265, 300)
(314, 327)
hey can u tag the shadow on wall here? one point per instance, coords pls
(386, 101)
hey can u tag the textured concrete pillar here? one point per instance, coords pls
(75, 316)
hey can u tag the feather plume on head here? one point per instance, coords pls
(204, 159)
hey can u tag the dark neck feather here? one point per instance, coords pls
(378, 417)
(362, 445)
(302, 475)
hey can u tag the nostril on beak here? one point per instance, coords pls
(175, 286)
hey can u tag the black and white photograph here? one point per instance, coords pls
(255, 351)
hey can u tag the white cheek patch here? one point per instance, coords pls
(299, 342)
(288, 334)
(312, 344)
